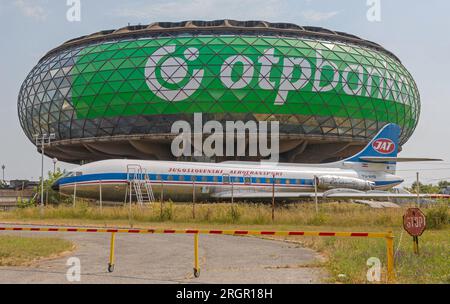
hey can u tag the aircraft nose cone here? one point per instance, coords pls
(55, 186)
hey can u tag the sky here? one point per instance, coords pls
(416, 31)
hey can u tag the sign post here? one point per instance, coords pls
(414, 222)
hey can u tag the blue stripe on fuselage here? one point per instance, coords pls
(183, 178)
(219, 179)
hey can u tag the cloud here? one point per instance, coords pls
(31, 9)
(203, 9)
(313, 15)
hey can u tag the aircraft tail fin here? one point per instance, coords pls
(383, 145)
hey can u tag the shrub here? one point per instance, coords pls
(167, 212)
(25, 203)
(317, 219)
(384, 220)
(234, 214)
(208, 214)
(437, 216)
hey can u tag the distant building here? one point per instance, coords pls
(445, 190)
(22, 184)
(16, 190)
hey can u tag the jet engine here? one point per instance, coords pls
(332, 182)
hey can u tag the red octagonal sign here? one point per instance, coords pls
(414, 221)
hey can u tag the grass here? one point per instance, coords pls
(346, 257)
(19, 251)
(331, 214)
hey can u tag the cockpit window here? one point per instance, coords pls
(71, 174)
(68, 174)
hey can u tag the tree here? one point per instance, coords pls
(423, 188)
(3, 184)
(50, 196)
(444, 184)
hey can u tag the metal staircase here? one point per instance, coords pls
(140, 187)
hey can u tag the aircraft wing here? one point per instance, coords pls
(387, 195)
(333, 195)
(253, 194)
(381, 159)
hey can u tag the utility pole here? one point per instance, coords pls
(193, 196)
(315, 195)
(54, 160)
(161, 199)
(232, 191)
(41, 141)
(418, 189)
(101, 196)
(273, 198)
(3, 169)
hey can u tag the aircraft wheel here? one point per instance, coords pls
(196, 273)
(110, 268)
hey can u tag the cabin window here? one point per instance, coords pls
(216, 179)
(247, 180)
(78, 173)
(204, 179)
(226, 179)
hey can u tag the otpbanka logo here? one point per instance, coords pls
(173, 72)
(169, 76)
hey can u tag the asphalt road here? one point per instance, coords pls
(157, 258)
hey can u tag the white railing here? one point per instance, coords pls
(140, 185)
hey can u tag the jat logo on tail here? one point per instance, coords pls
(383, 145)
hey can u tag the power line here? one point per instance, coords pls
(429, 164)
(440, 178)
(433, 163)
(424, 169)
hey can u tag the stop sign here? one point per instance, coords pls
(414, 221)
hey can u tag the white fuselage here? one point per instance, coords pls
(180, 180)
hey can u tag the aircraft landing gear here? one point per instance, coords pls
(110, 268)
(196, 273)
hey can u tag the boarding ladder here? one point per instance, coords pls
(140, 186)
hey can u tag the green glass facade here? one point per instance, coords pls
(140, 85)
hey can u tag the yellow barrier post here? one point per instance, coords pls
(388, 236)
(390, 257)
(196, 263)
(111, 253)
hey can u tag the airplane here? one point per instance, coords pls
(366, 175)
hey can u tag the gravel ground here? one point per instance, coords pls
(157, 258)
